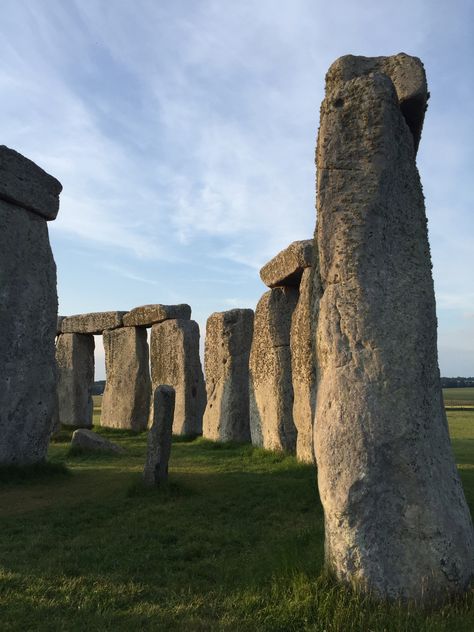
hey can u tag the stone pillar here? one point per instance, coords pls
(397, 524)
(226, 359)
(126, 399)
(29, 197)
(159, 436)
(174, 353)
(270, 383)
(75, 361)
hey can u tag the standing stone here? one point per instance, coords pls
(126, 399)
(396, 519)
(28, 309)
(159, 436)
(75, 361)
(270, 383)
(174, 352)
(226, 360)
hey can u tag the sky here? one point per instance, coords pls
(183, 132)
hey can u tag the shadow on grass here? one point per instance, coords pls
(39, 472)
(76, 452)
(166, 491)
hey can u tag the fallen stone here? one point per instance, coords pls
(148, 315)
(288, 265)
(126, 399)
(24, 184)
(174, 354)
(89, 441)
(226, 360)
(94, 323)
(270, 382)
(159, 436)
(397, 523)
(75, 362)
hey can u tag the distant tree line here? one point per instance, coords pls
(98, 387)
(457, 382)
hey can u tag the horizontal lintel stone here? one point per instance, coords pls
(93, 323)
(148, 315)
(286, 268)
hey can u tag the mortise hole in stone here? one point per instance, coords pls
(338, 103)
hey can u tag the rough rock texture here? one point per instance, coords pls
(25, 184)
(288, 265)
(148, 315)
(303, 367)
(159, 436)
(270, 384)
(28, 310)
(174, 353)
(226, 361)
(87, 440)
(94, 323)
(396, 519)
(126, 399)
(59, 324)
(75, 361)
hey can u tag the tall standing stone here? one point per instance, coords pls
(174, 353)
(159, 436)
(29, 197)
(226, 360)
(396, 519)
(75, 362)
(126, 399)
(270, 382)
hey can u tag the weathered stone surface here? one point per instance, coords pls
(28, 310)
(303, 366)
(288, 265)
(88, 440)
(75, 361)
(407, 75)
(174, 352)
(126, 399)
(396, 519)
(59, 324)
(25, 184)
(270, 383)
(93, 323)
(159, 436)
(148, 315)
(226, 360)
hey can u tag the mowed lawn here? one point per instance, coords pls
(456, 397)
(233, 542)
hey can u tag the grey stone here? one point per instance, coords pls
(59, 324)
(270, 382)
(174, 354)
(159, 436)
(93, 323)
(286, 268)
(75, 361)
(126, 399)
(89, 441)
(397, 523)
(25, 184)
(28, 310)
(226, 361)
(148, 315)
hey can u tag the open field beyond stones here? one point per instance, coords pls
(458, 397)
(233, 542)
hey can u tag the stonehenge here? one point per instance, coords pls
(226, 362)
(159, 436)
(396, 519)
(89, 441)
(29, 198)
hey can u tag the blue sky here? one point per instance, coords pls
(183, 132)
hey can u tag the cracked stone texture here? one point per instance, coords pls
(28, 310)
(175, 361)
(303, 367)
(91, 442)
(25, 184)
(93, 323)
(286, 268)
(159, 436)
(75, 362)
(126, 399)
(396, 518)
(270, 382)
(226, 361)
(148, 315)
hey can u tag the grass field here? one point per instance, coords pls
(458, 397)
(233, 542)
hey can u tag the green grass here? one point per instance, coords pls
(233, 542)
(458, 397)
